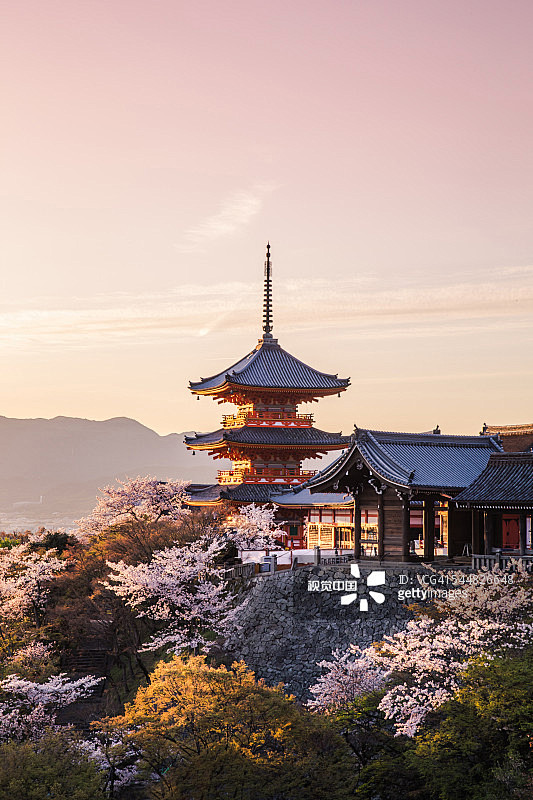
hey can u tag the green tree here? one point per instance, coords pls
(477, 746)
(480, 744)
(380, 757)
(51, 769)
(212, 733)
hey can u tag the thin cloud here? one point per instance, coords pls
(236, 212)
(347, 309)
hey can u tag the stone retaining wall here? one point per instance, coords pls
(284, 629)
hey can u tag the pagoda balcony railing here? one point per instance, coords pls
(230, 476)
(267, 475)
(268, 418)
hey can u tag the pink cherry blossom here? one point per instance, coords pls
(253, 528)
(24, 580)
(180, 588)
(420, 667)
(141, 499)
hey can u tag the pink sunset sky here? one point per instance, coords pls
(384, 147)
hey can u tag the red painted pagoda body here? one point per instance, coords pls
(267, 438)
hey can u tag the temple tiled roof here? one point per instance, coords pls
(243, 493)
(513, 438)
(507, 430)
(414, 460)
(203, 494)
(304, 498)
(505, 483)
(252, 492)
(270, 436)
(270, 366)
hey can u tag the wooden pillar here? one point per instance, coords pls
(381, 526)
(487, 532)
(429, 529)
(451, 527)
(356, 528)
(522, 534)
(406, 527)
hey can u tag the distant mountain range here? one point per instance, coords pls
(51, 469)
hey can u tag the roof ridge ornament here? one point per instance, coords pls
(267, 302)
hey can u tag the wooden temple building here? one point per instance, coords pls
(403, 487)
(500, 501)
(267, 439)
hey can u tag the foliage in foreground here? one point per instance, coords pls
(477, 746)
(50, 768)
(210, 733)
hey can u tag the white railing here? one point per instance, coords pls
(505, 561)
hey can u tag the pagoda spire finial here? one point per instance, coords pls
(267, 302)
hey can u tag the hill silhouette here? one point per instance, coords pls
(51, 469)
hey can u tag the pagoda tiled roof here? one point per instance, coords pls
(241, 493)
(505, 483)
(270, 366)
(418, 461)
(270, 436)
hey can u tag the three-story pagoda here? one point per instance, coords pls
(267, 438)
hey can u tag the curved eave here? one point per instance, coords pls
(345, 464)
(305, 440)
(211, 446)
(304, 499)
(447, 491)
(200, 503)
(314, 447)
(264, 368)
(229, 387)
(382, 463)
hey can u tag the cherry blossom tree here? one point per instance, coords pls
(420, 667)
(56, 692)
(19, 724)
(29, 708)
(253, 528)
(34, 660)
(180, 589)
(113, 756)
(139, 500)
(348, 676)
(25, 577)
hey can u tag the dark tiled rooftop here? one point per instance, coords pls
(304, 497)
(207, 493)
(506, 482)
(269, 365)
(417, 460)
(288, 437)
(252, 492)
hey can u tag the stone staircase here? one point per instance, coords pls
(91, 658)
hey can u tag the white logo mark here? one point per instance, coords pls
(375, 578)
